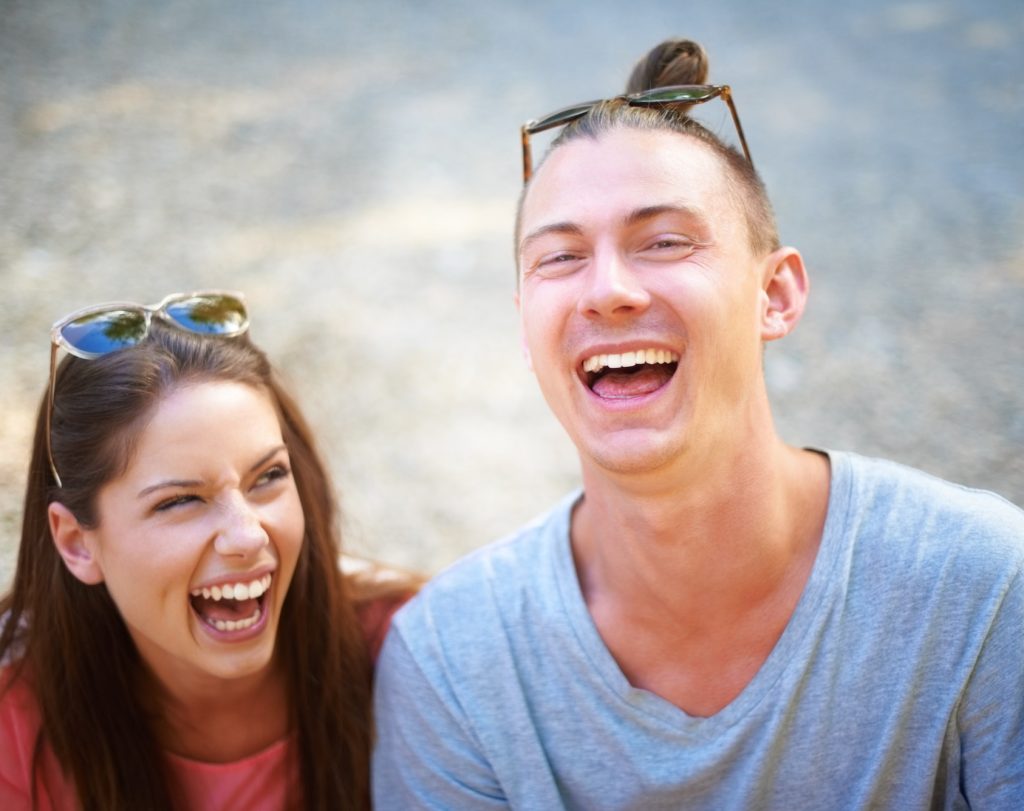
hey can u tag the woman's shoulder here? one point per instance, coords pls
(378, 591)
(20, 720)
(20, 738)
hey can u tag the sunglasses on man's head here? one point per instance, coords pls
(655, 97)
(105, 328)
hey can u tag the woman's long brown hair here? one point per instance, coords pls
(69, 642)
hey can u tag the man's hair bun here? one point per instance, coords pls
(674, 61)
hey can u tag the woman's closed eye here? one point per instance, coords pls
(176, 501)
(272, 474)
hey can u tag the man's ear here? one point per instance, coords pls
(784, 289)
(522, 335)
(74, 544)
(526, 352)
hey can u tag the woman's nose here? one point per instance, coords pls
(241, 531)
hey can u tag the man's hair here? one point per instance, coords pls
(676, 62)
(68, 640)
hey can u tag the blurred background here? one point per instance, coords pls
(353, 167)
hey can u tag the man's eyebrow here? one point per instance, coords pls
(650, 212)
(633, 218)
(553, 228)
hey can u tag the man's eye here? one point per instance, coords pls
(669, 248)
(557, 264)
(558, 258)
(669, 243)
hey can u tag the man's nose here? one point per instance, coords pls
(240, 530)
(612, 288)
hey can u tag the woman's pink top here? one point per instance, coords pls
(260, 782)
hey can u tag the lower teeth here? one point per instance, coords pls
(235, 625)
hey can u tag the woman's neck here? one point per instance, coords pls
(218, 720)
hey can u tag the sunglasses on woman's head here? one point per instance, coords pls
(655, 97)
(105, 328)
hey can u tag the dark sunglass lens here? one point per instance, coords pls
(668, 95)
(105, 332)
(217, 314)
(560, 117)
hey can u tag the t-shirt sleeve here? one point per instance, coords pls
(426, 755)
(991, 714)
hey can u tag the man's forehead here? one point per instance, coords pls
(624, 173)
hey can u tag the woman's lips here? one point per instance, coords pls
(232, 607)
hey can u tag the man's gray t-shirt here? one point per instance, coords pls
(898, 682)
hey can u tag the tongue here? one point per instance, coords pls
(618, 384)
(224, 609)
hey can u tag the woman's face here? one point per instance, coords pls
(197, 541)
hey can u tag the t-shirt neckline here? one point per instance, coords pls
(807, 617)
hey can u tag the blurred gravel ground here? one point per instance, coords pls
(353, 167)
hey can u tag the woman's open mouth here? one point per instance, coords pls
(629, 374)
(231, 606)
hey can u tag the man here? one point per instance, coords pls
(718, 620)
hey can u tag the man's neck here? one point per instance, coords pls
(727, 525)
(715, 557)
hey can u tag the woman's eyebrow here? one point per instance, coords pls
(145, 491)
(268, 456)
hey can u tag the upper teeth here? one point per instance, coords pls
(597, 362)
(235, 591)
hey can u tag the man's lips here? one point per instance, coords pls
(623, 375)
(595, 363)
(625, 385)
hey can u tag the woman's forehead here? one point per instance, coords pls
(208, 419)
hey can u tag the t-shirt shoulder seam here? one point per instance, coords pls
(861, 461)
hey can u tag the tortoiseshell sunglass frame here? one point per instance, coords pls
(655, 97)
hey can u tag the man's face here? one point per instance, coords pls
(632, 249)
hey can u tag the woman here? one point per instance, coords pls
(178, 634)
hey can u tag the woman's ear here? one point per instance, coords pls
(784, 287)
(74, 543)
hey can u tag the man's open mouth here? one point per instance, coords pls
(231, 606)
(629, 374)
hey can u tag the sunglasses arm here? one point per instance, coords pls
(49, 412)
(727, 96)
(527, 157)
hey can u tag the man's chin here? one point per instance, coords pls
(633, 452)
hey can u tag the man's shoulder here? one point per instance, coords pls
(931, 516)
(898, 486)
